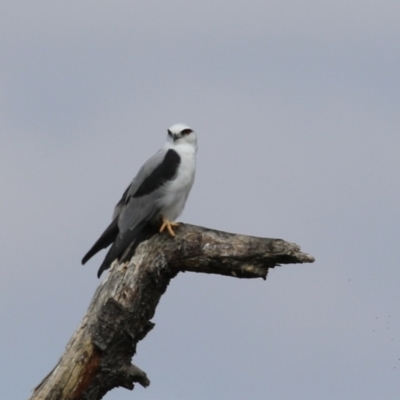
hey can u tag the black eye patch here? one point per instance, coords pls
(186, 131)
(169, 132)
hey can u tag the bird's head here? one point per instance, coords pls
(181, 133)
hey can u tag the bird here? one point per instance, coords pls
(157, 194)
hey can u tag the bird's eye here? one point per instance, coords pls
(186, 131)
(169, 132)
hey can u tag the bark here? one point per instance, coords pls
(98, 356)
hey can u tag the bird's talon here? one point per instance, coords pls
(168, 225)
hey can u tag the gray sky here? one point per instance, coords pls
(296, 106)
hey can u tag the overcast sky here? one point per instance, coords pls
(297, 109)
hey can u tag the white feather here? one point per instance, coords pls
(177, 191)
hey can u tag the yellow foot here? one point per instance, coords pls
(168, 225)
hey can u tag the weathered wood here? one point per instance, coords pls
(98, 356)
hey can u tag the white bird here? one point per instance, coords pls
(157, 193)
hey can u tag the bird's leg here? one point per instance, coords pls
(167, 224)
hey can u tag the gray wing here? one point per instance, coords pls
(139, 205)
(143, 173)
(142, 198)
(138, 210)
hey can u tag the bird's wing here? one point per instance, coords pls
(139, 203)
(142, 198)
(143, 173)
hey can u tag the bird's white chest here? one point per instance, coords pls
(178, 189)
(186, 171)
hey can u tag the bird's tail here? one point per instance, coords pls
(108, 237)
(126, 243)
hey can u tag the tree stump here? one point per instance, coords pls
(98, 356)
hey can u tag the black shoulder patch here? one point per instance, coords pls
(163, 173)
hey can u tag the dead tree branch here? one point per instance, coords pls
(98, 356)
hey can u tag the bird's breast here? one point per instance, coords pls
(185, 174)
(177, 190)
